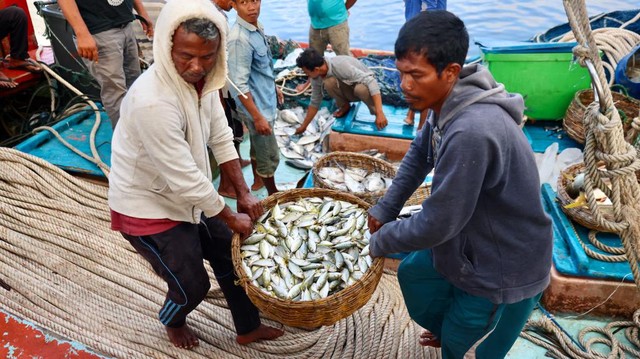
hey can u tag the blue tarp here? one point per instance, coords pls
(543, 133)
(569, 257)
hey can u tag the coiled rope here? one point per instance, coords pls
(604, 143)
(69, 273)
(590, 338)
(615, 43)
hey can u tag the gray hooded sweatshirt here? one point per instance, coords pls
(484, 220)
(159, 162)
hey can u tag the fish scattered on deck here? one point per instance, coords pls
(306, 148)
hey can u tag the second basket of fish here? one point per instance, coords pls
(362, 175)
(307, 262)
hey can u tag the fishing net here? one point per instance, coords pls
(281, 48)
(388, 77)
(383, 67)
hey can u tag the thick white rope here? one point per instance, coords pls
(615, 43)
(604, 142)
(71, 274)
(95, 158)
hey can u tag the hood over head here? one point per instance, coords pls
(476, 85)
(174, 13)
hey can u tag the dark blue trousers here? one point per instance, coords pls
(13, 22)
(466, 324)
(177, 256)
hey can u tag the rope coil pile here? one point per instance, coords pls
(592, 339)
(604, 143)
(615, 43)
(69, 273)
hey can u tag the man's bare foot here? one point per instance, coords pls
(244, 163)
(182, 337)
(342, 111)
(427, 339)
(408, 121)
(6, 82)
(26, 65)
(257, 183)
(262, 332)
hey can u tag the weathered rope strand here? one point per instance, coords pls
(71, 274)
(604, 143)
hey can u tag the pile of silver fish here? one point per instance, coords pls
(302, 150)
(354, 180)
(308, 249)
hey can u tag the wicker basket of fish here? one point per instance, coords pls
(573, 202)
(306, 264)
(362, 175)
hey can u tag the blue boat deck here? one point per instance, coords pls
(76, 130)
(568, 256)
(360, 122)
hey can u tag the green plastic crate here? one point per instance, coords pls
(547, 81)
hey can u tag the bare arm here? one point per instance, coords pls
(262, 126)
(237, 222)
(349, 3)
(311, 113)
(247, 203)
(87, 47)
(148, 27)
(381, 119)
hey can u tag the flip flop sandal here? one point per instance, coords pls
(8, 80)
(28, 65)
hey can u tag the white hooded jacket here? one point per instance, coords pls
(159, 162)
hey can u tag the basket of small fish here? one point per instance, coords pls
(362, 175)
(307, 262)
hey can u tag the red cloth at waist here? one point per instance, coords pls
(140, 226)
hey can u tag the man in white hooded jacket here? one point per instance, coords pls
(161, 195)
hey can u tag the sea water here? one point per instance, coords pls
(374, 24)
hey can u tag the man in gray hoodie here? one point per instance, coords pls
(481, 245)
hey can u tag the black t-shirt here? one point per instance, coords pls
(101, 15)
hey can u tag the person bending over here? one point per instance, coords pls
(346, 79)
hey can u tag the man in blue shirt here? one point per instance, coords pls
(329, 25)
(414, 7)
(251, 69)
